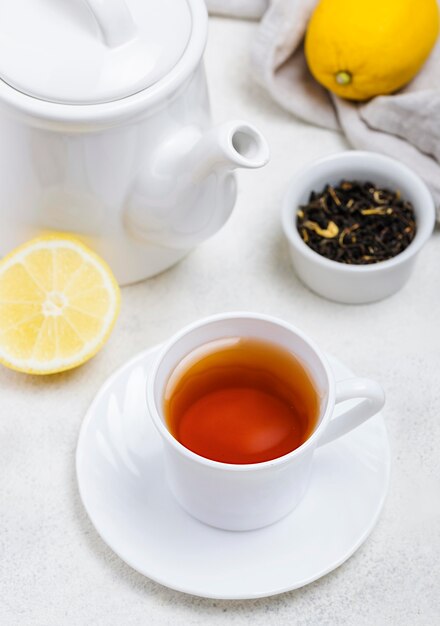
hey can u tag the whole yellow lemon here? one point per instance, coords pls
(364, 48)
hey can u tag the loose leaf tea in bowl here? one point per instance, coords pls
(356, 223)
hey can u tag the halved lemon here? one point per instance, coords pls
(58, 304)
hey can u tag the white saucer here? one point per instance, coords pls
(122, 485)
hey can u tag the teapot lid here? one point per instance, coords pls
(90, 51)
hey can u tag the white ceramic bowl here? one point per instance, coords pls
(356, 284)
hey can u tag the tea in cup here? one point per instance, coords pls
(241, 402)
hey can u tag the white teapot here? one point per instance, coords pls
(106, 133)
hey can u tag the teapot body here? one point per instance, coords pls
(100, 181)
(129, 164)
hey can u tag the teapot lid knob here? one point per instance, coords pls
(114, 20)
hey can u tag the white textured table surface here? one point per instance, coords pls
(54, 569)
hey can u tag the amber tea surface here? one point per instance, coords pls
(239, 400)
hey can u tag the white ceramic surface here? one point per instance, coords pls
(90, 51)
(127, 160)
(355, 284)
(250, 496)
(122, 484)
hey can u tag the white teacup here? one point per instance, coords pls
(245, 497)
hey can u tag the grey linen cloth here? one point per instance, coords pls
(405, 125)
(249, 9)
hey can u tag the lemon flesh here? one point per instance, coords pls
(58, 304)
(366, 48)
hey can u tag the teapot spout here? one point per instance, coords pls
(187, 192)
(226, 147)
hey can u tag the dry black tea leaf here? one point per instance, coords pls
(356, 223)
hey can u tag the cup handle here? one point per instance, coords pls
(350, 389)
